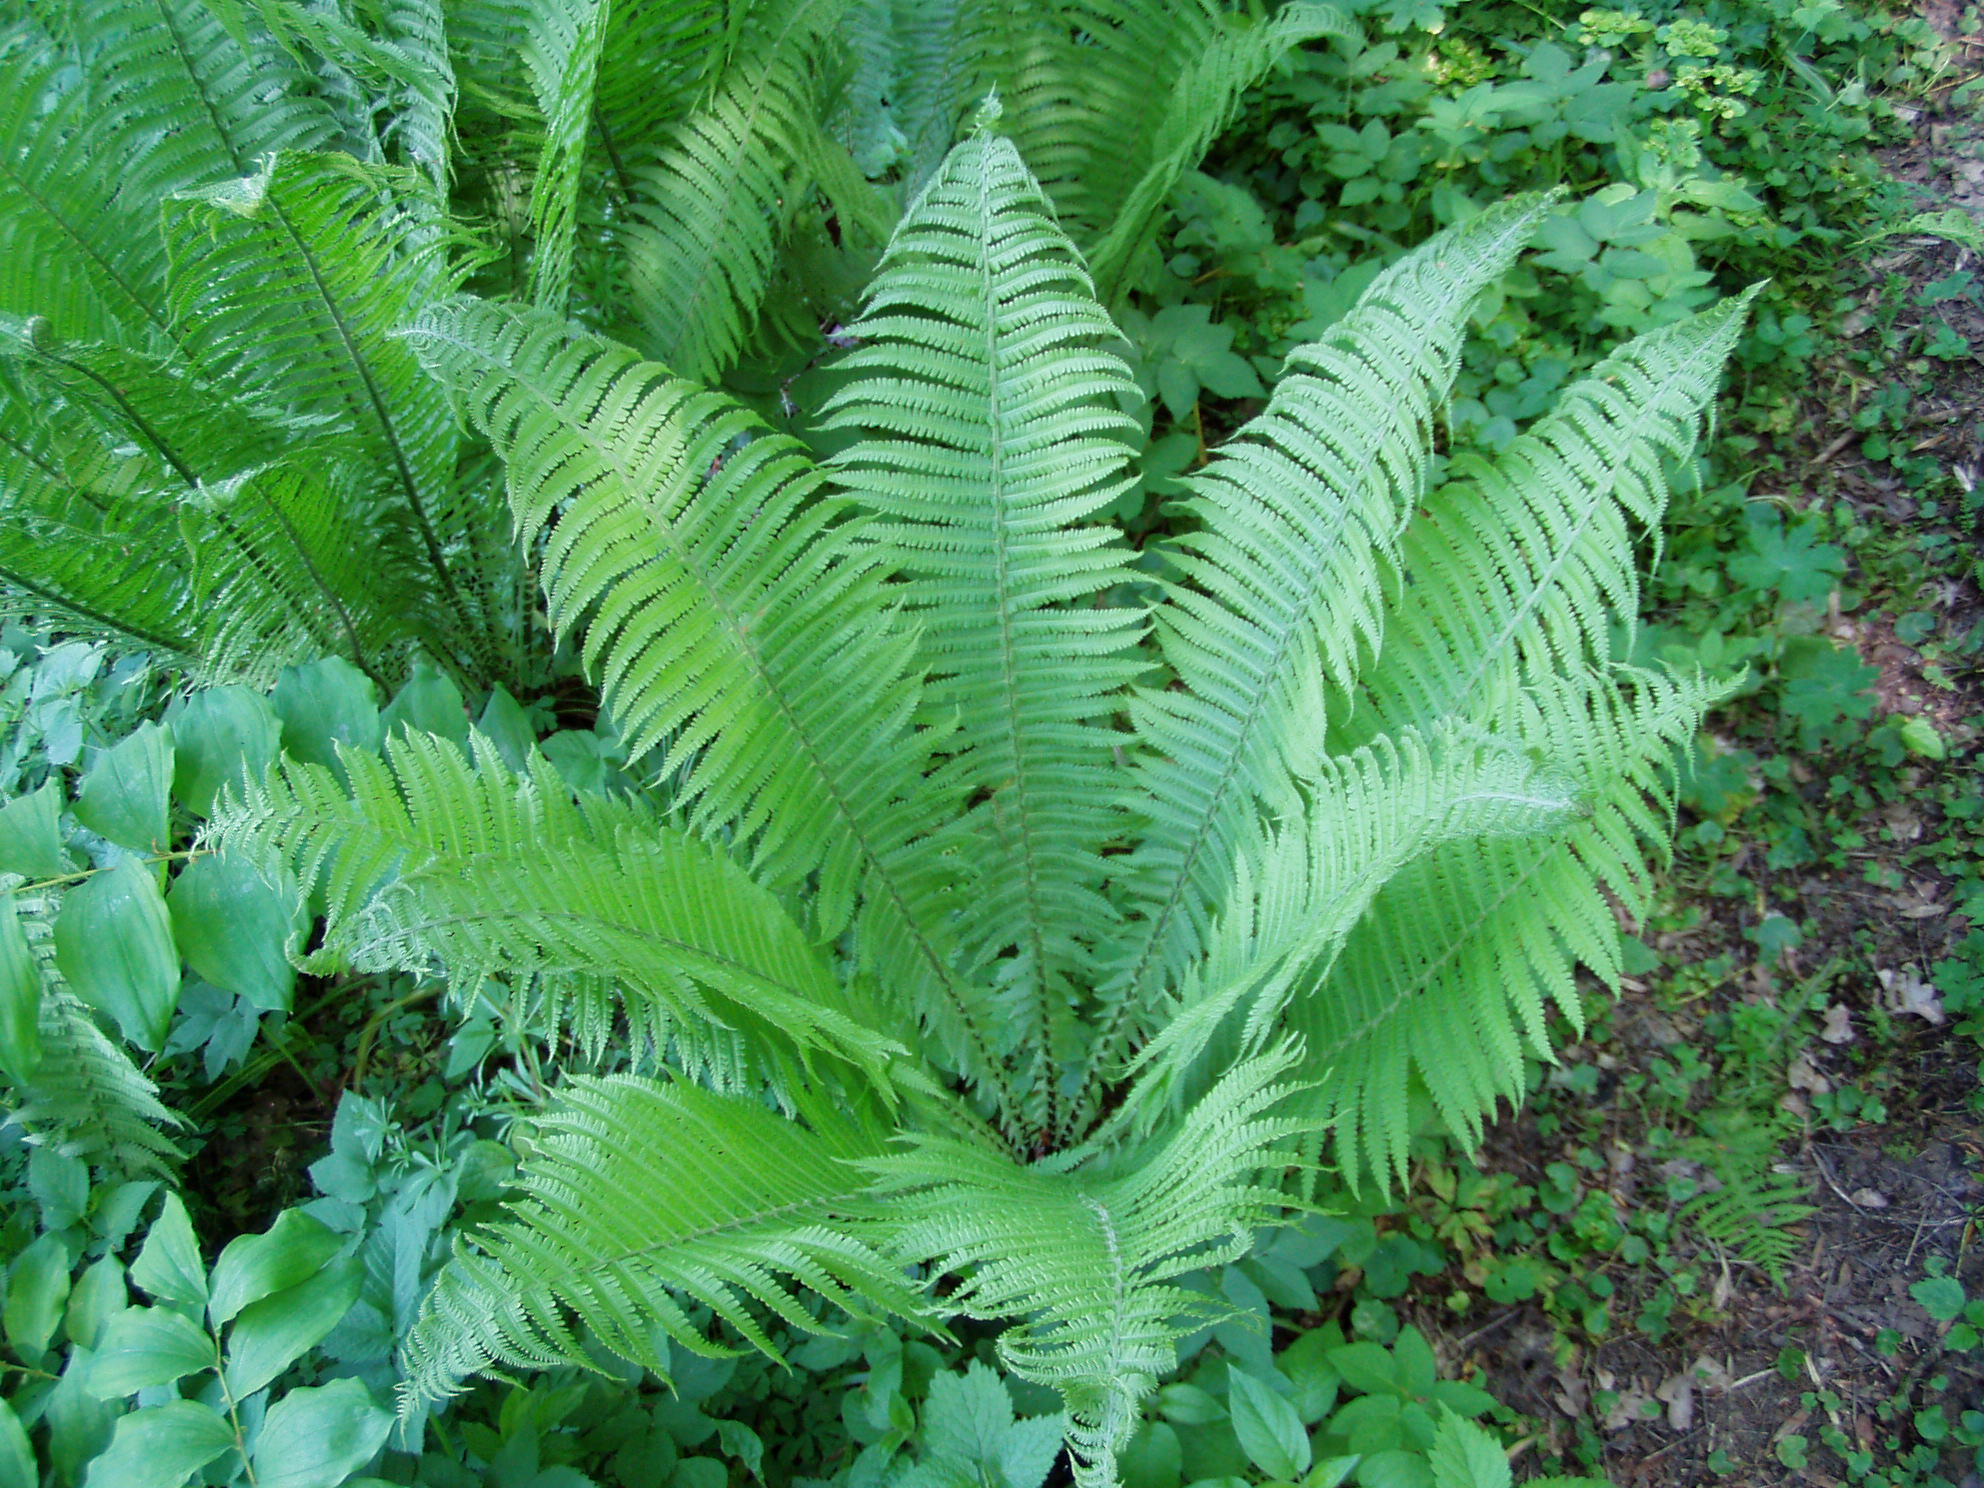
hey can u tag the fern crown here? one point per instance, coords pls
(999, 900)
(1006, 902)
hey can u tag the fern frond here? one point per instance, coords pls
(88, 1100)
(710, 205)
(1081, 1263)
(989, 395)
(1440, 993)
(149, 98)
(429, 858)
(1175, 130)
(253, 559)
(1301, 885)
(1112, 101)
(1748, 1204)
(85, 1098)
(398, 67)
(1521, 567)
(1283, 583)
(731, 613)
(641, 1200)
(561, 49)
(294, 282)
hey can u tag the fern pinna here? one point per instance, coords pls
(1005, 907)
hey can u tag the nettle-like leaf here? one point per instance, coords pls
(980, 955)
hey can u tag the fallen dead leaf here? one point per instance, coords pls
(1868, 1198)
(1678, 1392)
(1838, 1027)
(1630, 1409)
(1907, 993)
(1804, 1075)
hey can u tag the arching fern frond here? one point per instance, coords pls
(430, 859)
(1440, 993)
(160, 88)
(990, 399)
(295, 283)
(732, 614)
(1300, 886)
(253, 557)
(1520, 568)
(1083, 1262)
(1283, 580)
(88, 1100)
(641, 1197)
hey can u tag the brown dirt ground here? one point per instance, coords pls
(1887, 1197)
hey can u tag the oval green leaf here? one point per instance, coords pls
(113, 943)
(232, 924)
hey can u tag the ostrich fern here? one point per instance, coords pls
(998, 911)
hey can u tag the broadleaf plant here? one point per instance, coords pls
(1004, 905)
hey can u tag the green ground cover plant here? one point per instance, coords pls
(815, 781)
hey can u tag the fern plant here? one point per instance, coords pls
(997, 910)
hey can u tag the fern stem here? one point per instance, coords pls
(428, 538)
(18, 580)
(83, 873)
(1002, 598)
(613, 155)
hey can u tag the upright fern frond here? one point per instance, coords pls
(640, 1196)
(991, 399)
(562, 44)
(1283, 580)
(1176, 130)
(1083, 1260)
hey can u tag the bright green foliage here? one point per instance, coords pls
(211, 379)
(1105, 961)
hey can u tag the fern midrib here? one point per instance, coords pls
(830, 1200)
(995, 418)
(184, 53)
(387, 428)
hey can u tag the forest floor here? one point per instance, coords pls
(1754, 1382)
